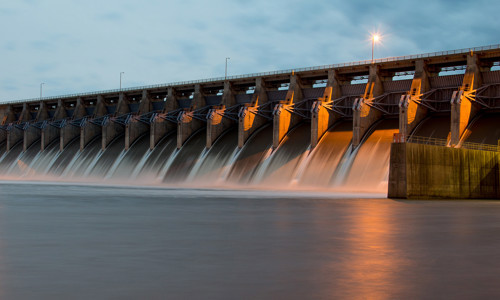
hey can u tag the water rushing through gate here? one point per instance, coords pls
(333, 164)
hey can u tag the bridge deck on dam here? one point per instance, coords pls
(328, 126)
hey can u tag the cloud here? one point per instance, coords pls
(110, 16)
(78, 46)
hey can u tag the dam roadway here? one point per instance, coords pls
(439, 95)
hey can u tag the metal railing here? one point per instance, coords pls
(444, 143)
(270, 73)
(427, 141)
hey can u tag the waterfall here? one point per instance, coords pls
(334, 163)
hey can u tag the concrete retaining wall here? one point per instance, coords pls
(424, 171)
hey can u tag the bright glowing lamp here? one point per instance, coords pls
(375, 38)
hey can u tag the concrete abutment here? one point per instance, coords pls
(419, 171)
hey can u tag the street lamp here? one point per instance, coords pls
(375, 39)
(41, 85)
(121, 73)
(225, 74)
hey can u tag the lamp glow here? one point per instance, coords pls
(375, 38)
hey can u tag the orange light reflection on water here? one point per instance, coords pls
(371, 261)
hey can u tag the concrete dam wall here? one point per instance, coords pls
(427, 171)
(327, 127)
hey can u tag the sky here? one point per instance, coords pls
(82, 46)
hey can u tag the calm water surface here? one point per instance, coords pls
(110, 242)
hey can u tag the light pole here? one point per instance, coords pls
(41, 85)
(121, 73)
(375, 38)
(225, 74)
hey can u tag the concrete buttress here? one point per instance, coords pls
(111, 130)
(32, 133)
(411, 112)
(160, 126)
(217, 122)
(463, 103)
(322, 115)
(135, 128)
(14, 134)
(283, 117)
(89, 130)
(364, 115)
(249, 119)
(69, 131)
(49, 132)
(187, 122)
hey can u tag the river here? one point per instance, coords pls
(84, 241)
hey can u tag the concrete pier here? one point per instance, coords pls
(133, 131)
(71, 131)
(284, 118)
(30, 135)
(187, 125)
(14, 136)
(135, 128)
(87, 133)
(8, 118)
(249, 117)
(217, 119)
(159, 128)
(161, 125)
(3, 136)
(112, 129)
(50, 133)
(365, 115)
(322, 114)
(89, 130)
(187, 122)
(463, 105)
(411, 110)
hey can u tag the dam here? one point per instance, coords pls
(328, 127)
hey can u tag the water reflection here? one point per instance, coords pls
(101, 242)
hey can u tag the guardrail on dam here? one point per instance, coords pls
(457, 86)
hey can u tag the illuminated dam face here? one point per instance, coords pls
(327, 127)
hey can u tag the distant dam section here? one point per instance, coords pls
(327, 127)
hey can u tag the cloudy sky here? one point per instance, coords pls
(80, 46)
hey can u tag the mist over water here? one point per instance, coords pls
(334, 164)
(293, 165)
(371, 166)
